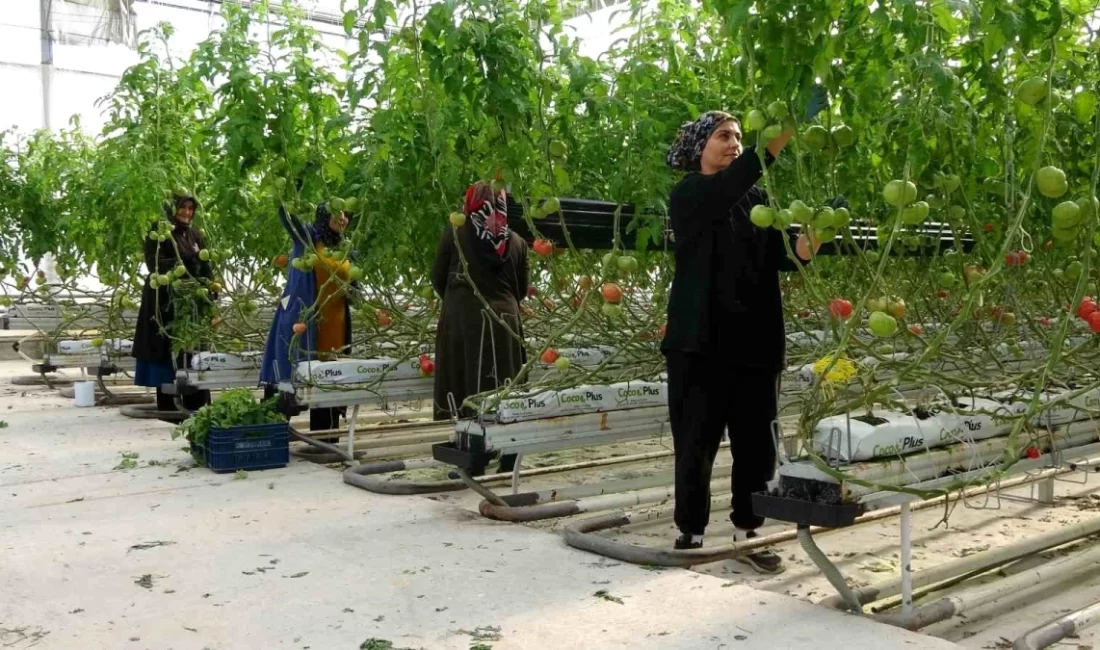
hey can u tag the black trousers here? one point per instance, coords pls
(705, 397)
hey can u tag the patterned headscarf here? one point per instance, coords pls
(687, 151)
(321, 231)
(489, 215)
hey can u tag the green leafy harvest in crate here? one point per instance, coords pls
(236, 407)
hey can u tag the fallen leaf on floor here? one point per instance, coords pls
(971, 550)
(603, 595)
(145, 581)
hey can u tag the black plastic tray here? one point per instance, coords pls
(806, 513)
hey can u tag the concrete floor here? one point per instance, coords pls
(96, 555)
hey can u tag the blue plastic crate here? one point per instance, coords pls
(248, 447)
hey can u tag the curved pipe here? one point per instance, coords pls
(832, 574)
(365, 476)
(1060, 628)
(580, 535)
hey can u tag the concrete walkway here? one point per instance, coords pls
(96, 554)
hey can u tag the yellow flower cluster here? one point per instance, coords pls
(841, 372)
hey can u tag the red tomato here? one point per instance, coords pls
(988, 227)
(611, 292)
(663, 330)
(916, 329)
(543, 247)
(1012, 259)
(1086, 308)
(942, 294)
(549, 356)
(1045, 322)
(532, 291)
(427, 367)
(576, 302)
(805, 313)
(1094, 321)
(1023, 256)
(1033, 453)
(840, 308)
(384, 318)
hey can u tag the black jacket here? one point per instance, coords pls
(150, 344)
(725, 295)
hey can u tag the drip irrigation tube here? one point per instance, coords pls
(326, 448)
(1060, 628)
(978, 562)
(551, 504)
(951, 606)
(582, 534)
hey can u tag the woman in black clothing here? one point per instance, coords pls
(725, 342)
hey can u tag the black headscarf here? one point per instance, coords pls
(687, 151)
(321, 230)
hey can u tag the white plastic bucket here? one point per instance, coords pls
(84, 393)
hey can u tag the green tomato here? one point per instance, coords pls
(755, 120)
(562, 363)
(816, 137)
(801, 212)
(1032, 91)
(762, 216)
(825, 218)
(843, 136)
(898, 193)
(772, 131)
(882, 324)
(611, 310)
(841, 217)
(1066, 215)
(1051, 182)
(628, 263)
(778, 110)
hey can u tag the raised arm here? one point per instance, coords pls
(523, 280)
(294, 226)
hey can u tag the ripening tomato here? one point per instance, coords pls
(611, 292)
(840, 308)
(988, 227)
(549, 356)
(916, 329)
(299, 328)
(549, 304)
(384, 318)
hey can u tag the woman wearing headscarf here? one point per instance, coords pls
(725, 339)
(323, 288)
(152, 338)
(473, 351)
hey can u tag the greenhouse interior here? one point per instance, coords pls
(493, 324)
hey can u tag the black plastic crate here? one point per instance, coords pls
(248, 447)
